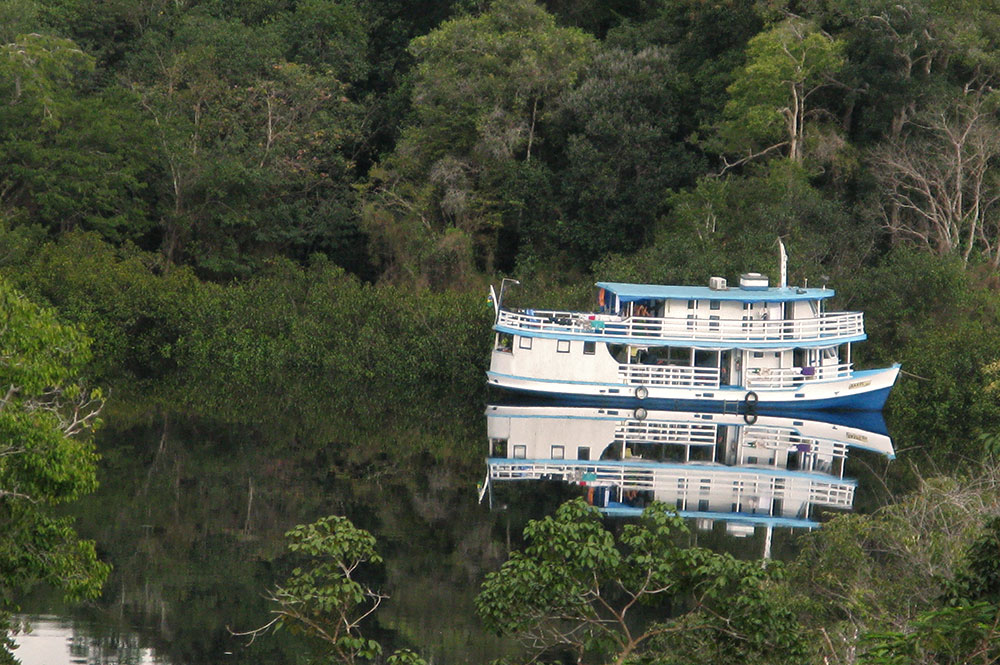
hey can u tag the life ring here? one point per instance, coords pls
(639, 414)
(749, 418)
(750, 401)
(641, 392)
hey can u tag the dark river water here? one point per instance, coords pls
(192, 519)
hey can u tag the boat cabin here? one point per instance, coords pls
(752, 301)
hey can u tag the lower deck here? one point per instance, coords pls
(808, 378)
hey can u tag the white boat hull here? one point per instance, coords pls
(861, 390)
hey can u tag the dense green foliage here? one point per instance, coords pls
(323, 599)
(280, 216)
(576, 589)
(312, 149)
(46, 457)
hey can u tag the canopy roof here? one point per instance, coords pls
(632, 292)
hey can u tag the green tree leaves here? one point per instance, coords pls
(482, 87)
(770, 103)
(575, 588)
(38, 71)
(45, 455)
(624, 151)
(323, 597)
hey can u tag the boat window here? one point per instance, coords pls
(617, 352)
(524, 343)
(703, 505)
(714, 304)
(705, 359)
(692, 304)
(558, 452)
(758, 354)
(499, 447)
(583, 452)
(562, 346)
(504, 342)
(589, 347)
(520, 452)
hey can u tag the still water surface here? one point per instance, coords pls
(55, 640)
(192, 520)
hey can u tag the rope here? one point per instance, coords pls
(915, 376)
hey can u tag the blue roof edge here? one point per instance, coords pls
(628, 292)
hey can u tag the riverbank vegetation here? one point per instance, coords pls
(281, 216)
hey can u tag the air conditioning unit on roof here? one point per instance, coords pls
(717, 283)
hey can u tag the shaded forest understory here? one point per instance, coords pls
(282, 215)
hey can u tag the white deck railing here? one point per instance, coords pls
(670, 375)
(651, 431)
(826, 327)
(774, 378)
(740, 483)
(779, 438)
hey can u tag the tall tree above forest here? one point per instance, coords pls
(37, 72)
(934, 166)
(939, 181)
(771, 100)
(482, 87)
(706, 42)
(69, 158)
(253, 147)
(621, 129)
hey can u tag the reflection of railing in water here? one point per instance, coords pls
(826, 326)
(784, 439)
(734, 483)
(669, 375)
(791, 377)
(652, 431)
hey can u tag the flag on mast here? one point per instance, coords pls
(783, 264)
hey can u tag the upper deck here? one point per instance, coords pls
(701, 317)
(827, 329)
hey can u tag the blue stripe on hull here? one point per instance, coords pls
(868, 401)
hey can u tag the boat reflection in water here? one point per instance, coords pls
(745, 470)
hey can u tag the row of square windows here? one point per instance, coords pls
(562, 345)
(583, 453)
(589, 348)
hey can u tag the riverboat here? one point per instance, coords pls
(747, 348)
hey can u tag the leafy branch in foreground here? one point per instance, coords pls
(322, 598)
(575, 589)
(45, 456)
